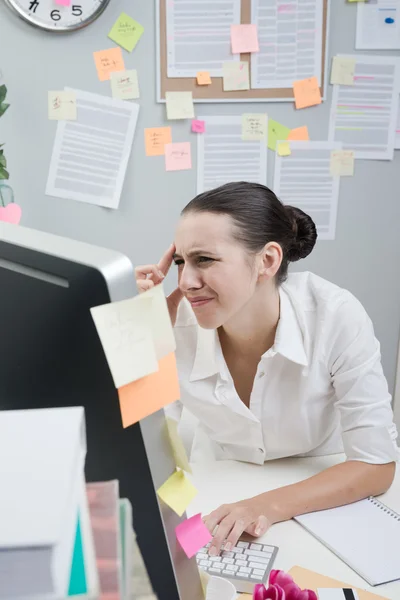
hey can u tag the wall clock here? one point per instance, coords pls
(60, 15)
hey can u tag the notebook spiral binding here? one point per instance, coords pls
(385, 509)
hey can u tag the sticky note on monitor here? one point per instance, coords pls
(235, 76)
(244, 38)
(299, 133)
(307, 92)
(178, 449)
(62, 106)
(125, 84)
(107, 61)
(179, 105)
(178, 157)
(342, 163)
(155, 140)
(254, 127)
(276, 132)
(126, 32)
(342, 72)
(145, 396)
(177, 492)
(192, 535)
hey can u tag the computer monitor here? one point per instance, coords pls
(50, 355)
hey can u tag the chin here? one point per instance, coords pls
(208, 322)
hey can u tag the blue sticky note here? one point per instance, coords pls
(77, 581)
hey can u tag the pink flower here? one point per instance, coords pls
(281, 587)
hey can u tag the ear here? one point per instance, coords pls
(270, 260)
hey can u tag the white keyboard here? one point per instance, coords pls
(245, 565)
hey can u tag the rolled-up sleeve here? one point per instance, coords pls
(362, 396)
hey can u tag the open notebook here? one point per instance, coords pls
(365, 535)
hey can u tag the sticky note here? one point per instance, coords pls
(284, 149)
(244, 38)
(343, 70)
(155, 140)
(178, 449)
(126, 32)
(63, 2)
(107, 61)
(342, 163)
(235, 76)
(276, 132)
(145, 396)
(299, 134)
(178, 157)
(179, 105)
(11, 213)
(125, 84)
(203, 78)
(307, 92)
(254, 127)
(192, 535)
(177, 492)
(198, 126)
(62, 106)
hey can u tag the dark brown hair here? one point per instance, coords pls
(259, 217)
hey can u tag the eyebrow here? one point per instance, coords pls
(195, 253)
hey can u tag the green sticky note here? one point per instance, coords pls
(276, 132)
(126, 32)
(77, 580)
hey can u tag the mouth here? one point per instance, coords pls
(197, 302)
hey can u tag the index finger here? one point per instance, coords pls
(166, 259)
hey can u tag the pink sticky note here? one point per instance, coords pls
(244, 39)
(192, 535)
(178, 157)
(198, 126)
(11, 213)
(63, 2)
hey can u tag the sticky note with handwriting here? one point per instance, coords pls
(178, 449)
(343, 70)
(276, 132)
(342, 163)
(179, 105)
(62, 106)
(126, 32)
(107, 61)
(306, 92)
(254, 127)
(178, 156)
(299, 134)
(192, 535)
(235, 76)
(177, 492)
(198, 126)
(244, 38)
(124, 84)
(203, 78)
(155, 140)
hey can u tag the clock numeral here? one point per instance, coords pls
(33, 5)
(77, 10)
(55, 15)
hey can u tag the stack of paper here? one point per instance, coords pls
(46, 545)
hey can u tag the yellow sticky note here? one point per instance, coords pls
(177, 492)
(126, 32)
(155, 140)
(107, 61)
(299, 134)
(276, 132)
(203, 78)
(343, 70)
(178, 449)
(179, 105)
(124, 84)
(342, 163)
(284, 149)
(235, 76)
(254, 127)
(62, 106)
(306, 92)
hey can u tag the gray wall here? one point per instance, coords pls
(363, 258)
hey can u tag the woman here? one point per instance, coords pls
(272, 365)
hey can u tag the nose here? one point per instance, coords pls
(189, 279)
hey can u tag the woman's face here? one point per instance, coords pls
(215, 273)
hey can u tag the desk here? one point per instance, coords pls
(221, 482)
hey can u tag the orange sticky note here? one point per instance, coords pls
(306, 92)
(147, 395)
(203, 78)
(107, 61)
(300, 134)
(244, 39)
(155, 140)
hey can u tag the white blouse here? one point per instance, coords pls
(319, 390)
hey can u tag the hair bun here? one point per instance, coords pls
(304, 234)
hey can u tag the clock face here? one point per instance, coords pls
(58, 15)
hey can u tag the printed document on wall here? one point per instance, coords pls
(199, 36)
(378, 25)
(303, 179)
(290, 39)
(364, 115)
(223, 156)
(90, 155)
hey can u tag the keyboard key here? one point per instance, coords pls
(237, 549)
(256, 553)
(214, 570)
(255, 565)
(239, 574)
(232, 568)
(256, 577)
(244, 570)
(215, 559)
(202, 556)
(229, 573)
(228, 554)
(258, 572)
(241, 563)
(228, 561)
(258, 559)
(243, 544)
(256, 547)
(218, 566)
(268, 549)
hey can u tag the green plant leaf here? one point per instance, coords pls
(4, 174)
(3, 108)
(3, 93)
(3, 161)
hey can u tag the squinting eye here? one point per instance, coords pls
(178, 262)
(204, 259)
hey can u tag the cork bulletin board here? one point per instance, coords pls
(215, 92)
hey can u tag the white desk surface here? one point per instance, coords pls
(222, 482)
